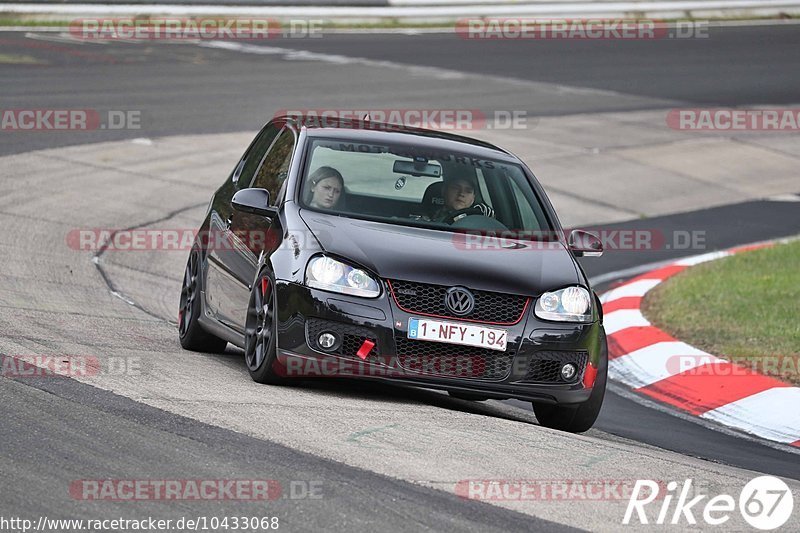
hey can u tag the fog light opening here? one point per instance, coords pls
(568, 372)
(327, 341)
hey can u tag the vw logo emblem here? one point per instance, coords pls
(459, 301)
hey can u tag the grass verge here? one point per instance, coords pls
(744, 308)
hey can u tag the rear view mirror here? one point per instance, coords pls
(254, 201)
(417, 168)
(585, 244)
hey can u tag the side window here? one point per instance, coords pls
(255, 154)
(275, 167)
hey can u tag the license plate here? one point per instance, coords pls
(457, 333)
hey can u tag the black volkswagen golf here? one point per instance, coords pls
(375, 251)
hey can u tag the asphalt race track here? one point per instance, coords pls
(186, 89)
(383, 457)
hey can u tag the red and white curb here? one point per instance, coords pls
(665, 369)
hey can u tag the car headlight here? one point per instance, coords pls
(573, 304)
(328, 274)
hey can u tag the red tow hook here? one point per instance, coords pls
(366, 347)
(589, 376)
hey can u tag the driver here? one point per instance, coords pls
(459, 200)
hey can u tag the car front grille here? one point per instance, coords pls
(545, 366)
(450, 360)
(426, 299)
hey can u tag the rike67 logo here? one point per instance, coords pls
(765, 503)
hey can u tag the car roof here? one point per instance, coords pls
(372, 131)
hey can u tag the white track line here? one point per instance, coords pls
(637, 288)
(696, 260)
(624, 318)
(757, 414)
(656, 362)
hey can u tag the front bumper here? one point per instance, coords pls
(535, 349)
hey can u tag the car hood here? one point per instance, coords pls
(444, 258)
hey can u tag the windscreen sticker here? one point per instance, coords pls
(464, 160)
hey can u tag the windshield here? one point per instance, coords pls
(416, 186)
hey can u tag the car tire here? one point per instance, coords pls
(190, 332)
(261, 338)
(581, 417)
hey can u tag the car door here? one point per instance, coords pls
(221, 287)
(251, 234)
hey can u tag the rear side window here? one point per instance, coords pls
(255, 154)
(275, 165)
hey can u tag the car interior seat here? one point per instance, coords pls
(433, 198)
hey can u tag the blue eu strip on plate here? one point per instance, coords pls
(413, 325)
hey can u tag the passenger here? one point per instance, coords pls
(327, 185)
(459, 200)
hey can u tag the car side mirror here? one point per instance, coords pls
(585, 244)
(254, 201)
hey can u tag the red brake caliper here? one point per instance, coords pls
(264, 286)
